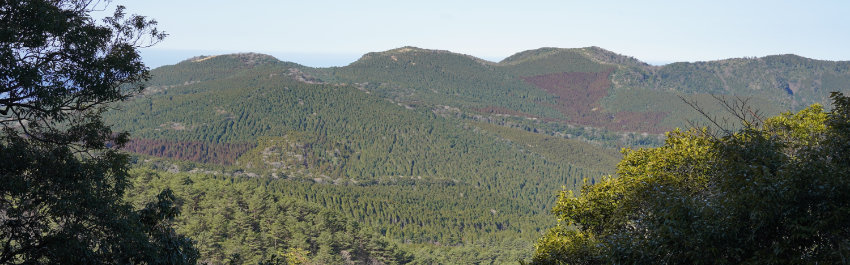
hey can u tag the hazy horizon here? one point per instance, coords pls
(154, 58)
(328, 32)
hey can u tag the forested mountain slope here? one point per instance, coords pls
(412, 173)
(436, 148)
(248, 222)
(592, 86)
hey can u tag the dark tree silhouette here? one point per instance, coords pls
(61, 198)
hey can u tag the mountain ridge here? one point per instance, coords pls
(439, 148)
(515, 56)
(415, 76)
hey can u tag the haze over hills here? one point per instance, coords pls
(438, 148)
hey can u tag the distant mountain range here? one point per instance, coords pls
(583, 87)
(440, 148)
(593, 86)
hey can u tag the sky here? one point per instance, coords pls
(323, 33)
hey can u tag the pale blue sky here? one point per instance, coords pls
(324, 32)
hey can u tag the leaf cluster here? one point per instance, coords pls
(770, 193)
(61, 198)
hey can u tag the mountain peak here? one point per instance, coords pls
(413, 49)
(407, 49)
(413, 52)
(606, 56)
(594, 53)
(529, 55)
(248, 58)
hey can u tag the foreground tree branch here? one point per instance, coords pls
(774, 192)
(61, 198)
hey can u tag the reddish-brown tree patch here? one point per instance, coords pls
(578, 96)
(223, 154)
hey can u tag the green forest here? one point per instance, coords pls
(431, 168)
(409, 156)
